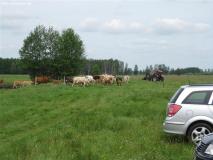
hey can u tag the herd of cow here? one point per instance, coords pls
(77, 80)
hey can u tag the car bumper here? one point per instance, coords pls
(174, 128)
(200, 156)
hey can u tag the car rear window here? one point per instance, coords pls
(176, 95)
(198, 97)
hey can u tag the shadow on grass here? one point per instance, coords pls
(175, 139)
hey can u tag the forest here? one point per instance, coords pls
(99, 66)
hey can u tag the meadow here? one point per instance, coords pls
(58, 122)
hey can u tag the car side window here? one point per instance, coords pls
(176, 95)
(198, 97)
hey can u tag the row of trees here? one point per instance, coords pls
(89, 66)
(97, 66)
(110, 66)
(11, 66)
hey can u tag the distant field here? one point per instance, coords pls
(10, 78)
(58, 122)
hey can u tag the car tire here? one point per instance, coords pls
(197, 131)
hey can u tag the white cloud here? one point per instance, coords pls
(150, 43)
(161, 26)
(202, 27)
(90, 25)
(138, 27)
(176, 25)
(112, 26)
(15, 3)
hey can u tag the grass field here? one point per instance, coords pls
(57, 122)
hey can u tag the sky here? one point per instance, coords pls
(178, 33)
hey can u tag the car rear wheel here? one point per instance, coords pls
(197, 131)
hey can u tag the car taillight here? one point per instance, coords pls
(173, 109)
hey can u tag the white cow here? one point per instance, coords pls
(126, 79)
(80, 80)
(90, 79)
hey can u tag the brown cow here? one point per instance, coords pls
(107, 79)
(41, 79)
(69, 80)
(97, 78)
(1, 81)
(57, 81)
(119, 80)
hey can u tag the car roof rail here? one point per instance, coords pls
(202, 84)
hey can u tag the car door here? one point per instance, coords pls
(196, 104)
(211, 105)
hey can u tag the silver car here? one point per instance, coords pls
(190, 112)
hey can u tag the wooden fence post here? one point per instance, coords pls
(35, 80)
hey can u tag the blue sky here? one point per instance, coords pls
(178, 33)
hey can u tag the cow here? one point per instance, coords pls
(69, 80)
(1, 81)
(107, 79)
(80, 80)
(97, 78)
(17, 84)
(21, 83)
(41, 79)
(126, 78)
(90, 79)
(6, 85)
(57, 81)
(119, 80)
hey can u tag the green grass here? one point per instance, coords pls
(57, 122)
(10, 78)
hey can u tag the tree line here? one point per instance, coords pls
(89, 67)
(99, 66)
(11, 66)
